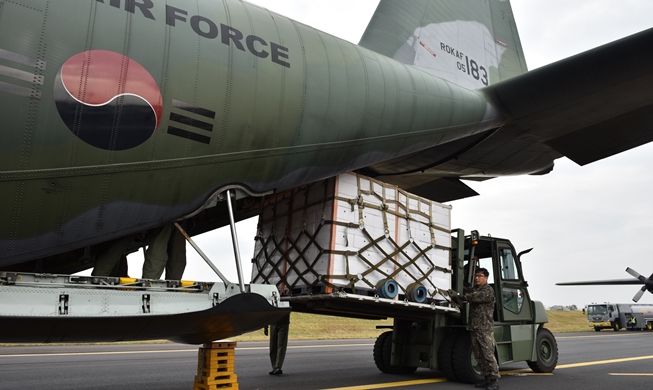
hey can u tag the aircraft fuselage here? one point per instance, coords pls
(118, 116)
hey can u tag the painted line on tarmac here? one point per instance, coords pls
(583, 364)
(598, 362)
(524, 372)
(627, 374)
(391, 384)
(423, 382)
(590, 337)
(96, 353)
(307, 346)
(170, 351)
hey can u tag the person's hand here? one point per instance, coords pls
(455, 297)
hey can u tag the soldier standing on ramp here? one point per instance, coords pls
(278, 344)
(481, 326)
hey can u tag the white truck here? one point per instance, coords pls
(618, 316)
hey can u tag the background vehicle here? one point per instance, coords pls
(617, 315)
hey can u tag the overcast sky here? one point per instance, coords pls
(583, 222)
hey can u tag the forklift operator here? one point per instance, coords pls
(481, 326)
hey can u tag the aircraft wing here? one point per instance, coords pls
(586, 107)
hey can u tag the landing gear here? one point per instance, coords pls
(383, 356)
(547, 352)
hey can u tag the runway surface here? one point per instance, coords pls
(605, 360)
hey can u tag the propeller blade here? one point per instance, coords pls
(639, 294)
(635, 274)
(613, 282)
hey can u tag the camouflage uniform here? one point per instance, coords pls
(481, 328)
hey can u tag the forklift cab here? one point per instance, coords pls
(498, 256)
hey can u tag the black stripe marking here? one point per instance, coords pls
(188, 135)
(194, 109)
(191, 122)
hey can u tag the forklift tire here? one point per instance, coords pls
(546, 348)
(383, 356)
(378, 351)
(465, 366)
(445, 356)
(597, 329)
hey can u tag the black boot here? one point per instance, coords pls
(494, 385)
(482, 385)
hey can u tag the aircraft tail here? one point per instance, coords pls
(472, 43)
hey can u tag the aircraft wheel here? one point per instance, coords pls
(383, 356)
(547, 352)
(445, 356)
(465, 366)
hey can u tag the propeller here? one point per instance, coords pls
(646, 282)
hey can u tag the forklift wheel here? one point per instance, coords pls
(445, 356)
(465, 365)
(547, 352)
(378, 351)
(383, 356)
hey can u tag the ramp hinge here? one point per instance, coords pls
(63, 304)
(12, 277)
(146, 303)
(216, 299)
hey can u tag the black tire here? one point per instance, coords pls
(546, 348)
(616, 327)
(597, 329)
(465, 365)
(383, 356)
(378, 351)
(445, 356)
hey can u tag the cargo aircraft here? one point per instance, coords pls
(121, 116)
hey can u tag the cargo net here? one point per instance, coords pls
(295, 241)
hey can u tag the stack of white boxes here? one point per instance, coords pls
(321, 228)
